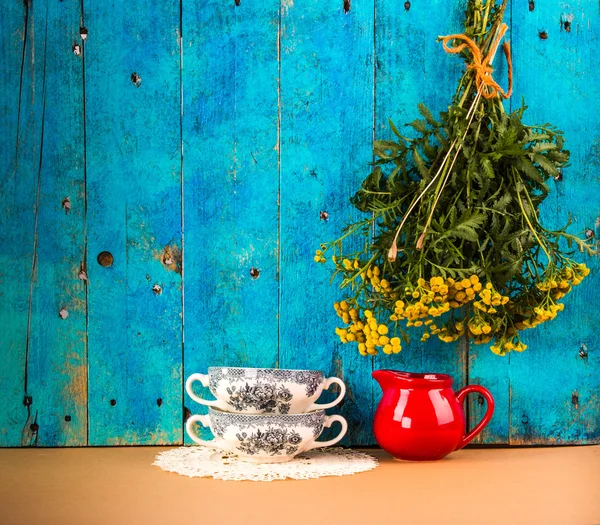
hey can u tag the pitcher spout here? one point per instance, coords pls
(385, 378)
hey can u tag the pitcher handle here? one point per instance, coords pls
(204, 379)
(328, 382)
(327, 423)
(460, 396)
(205, 421)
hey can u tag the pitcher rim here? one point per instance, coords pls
(421, 378)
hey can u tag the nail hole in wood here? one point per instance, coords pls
(559, 177)
(105, 259)
(543, 35)
(66, 204)
(83, 32)
(157, 289)
(346, 6)
(113, 402)
(254, 273)
(76, 49)
(583, 352)
(531, 5)
(159, 401)
(63, 313)
(575, 399)
(480, 400)
(136, 79)
(67, 418)
(524, 419)
(27, 401)
(589, 233)
(34, 427)
(323, 215)
(238, 2)
(567, 26)
(407, 5)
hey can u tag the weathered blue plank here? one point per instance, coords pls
(57, 362)
(484, 367)
(555, 383)
(231, 183)
(412, 68)
(132, 60)
(20, 106)
(327, 102)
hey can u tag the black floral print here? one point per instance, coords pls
(272, 441)
(312, 379)
(221, 421)
(265, 397)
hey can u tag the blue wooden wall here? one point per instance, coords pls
(209, 146)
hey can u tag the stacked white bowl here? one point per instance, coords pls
(265, 415)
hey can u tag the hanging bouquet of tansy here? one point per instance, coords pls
(452, 245)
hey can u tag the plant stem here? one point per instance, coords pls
(526, 217)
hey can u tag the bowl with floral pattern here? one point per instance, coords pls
(265, 438)
(264, 390)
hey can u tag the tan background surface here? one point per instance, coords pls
(114, 486)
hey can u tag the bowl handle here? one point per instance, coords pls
(328, 382)
(327, 423)
(204, 379)
(205, 421)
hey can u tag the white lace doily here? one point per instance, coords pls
(201, 461)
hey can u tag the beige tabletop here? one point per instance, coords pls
(113, 486)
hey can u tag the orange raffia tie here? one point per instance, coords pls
(486, 85)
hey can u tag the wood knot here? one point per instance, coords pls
(170, 257)
(254, 273)
(113, 402)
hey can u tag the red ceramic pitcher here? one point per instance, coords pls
(420, 418)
